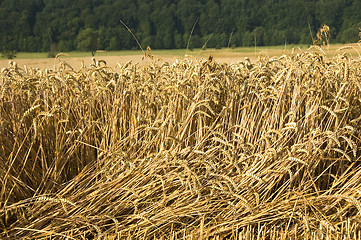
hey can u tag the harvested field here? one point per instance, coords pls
(190, 149)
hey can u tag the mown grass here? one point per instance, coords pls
(190, 150)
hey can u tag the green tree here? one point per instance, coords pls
(258, 34)
(248, 39)
(88, 40)
(35, 25)
(178, 41)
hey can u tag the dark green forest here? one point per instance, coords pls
(68, 25)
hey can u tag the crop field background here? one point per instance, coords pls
(226, 55)
(191, 149)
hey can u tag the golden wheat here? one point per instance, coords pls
(188, 150)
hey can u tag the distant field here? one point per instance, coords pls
(171, 52)
(271, 50)
(225, 55)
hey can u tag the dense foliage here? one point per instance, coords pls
(50, 25)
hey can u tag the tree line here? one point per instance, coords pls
(68, 25)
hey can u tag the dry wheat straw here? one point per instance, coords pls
(193, 149)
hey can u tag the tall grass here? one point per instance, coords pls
(189, 150)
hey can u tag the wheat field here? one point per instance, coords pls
(187, 150)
